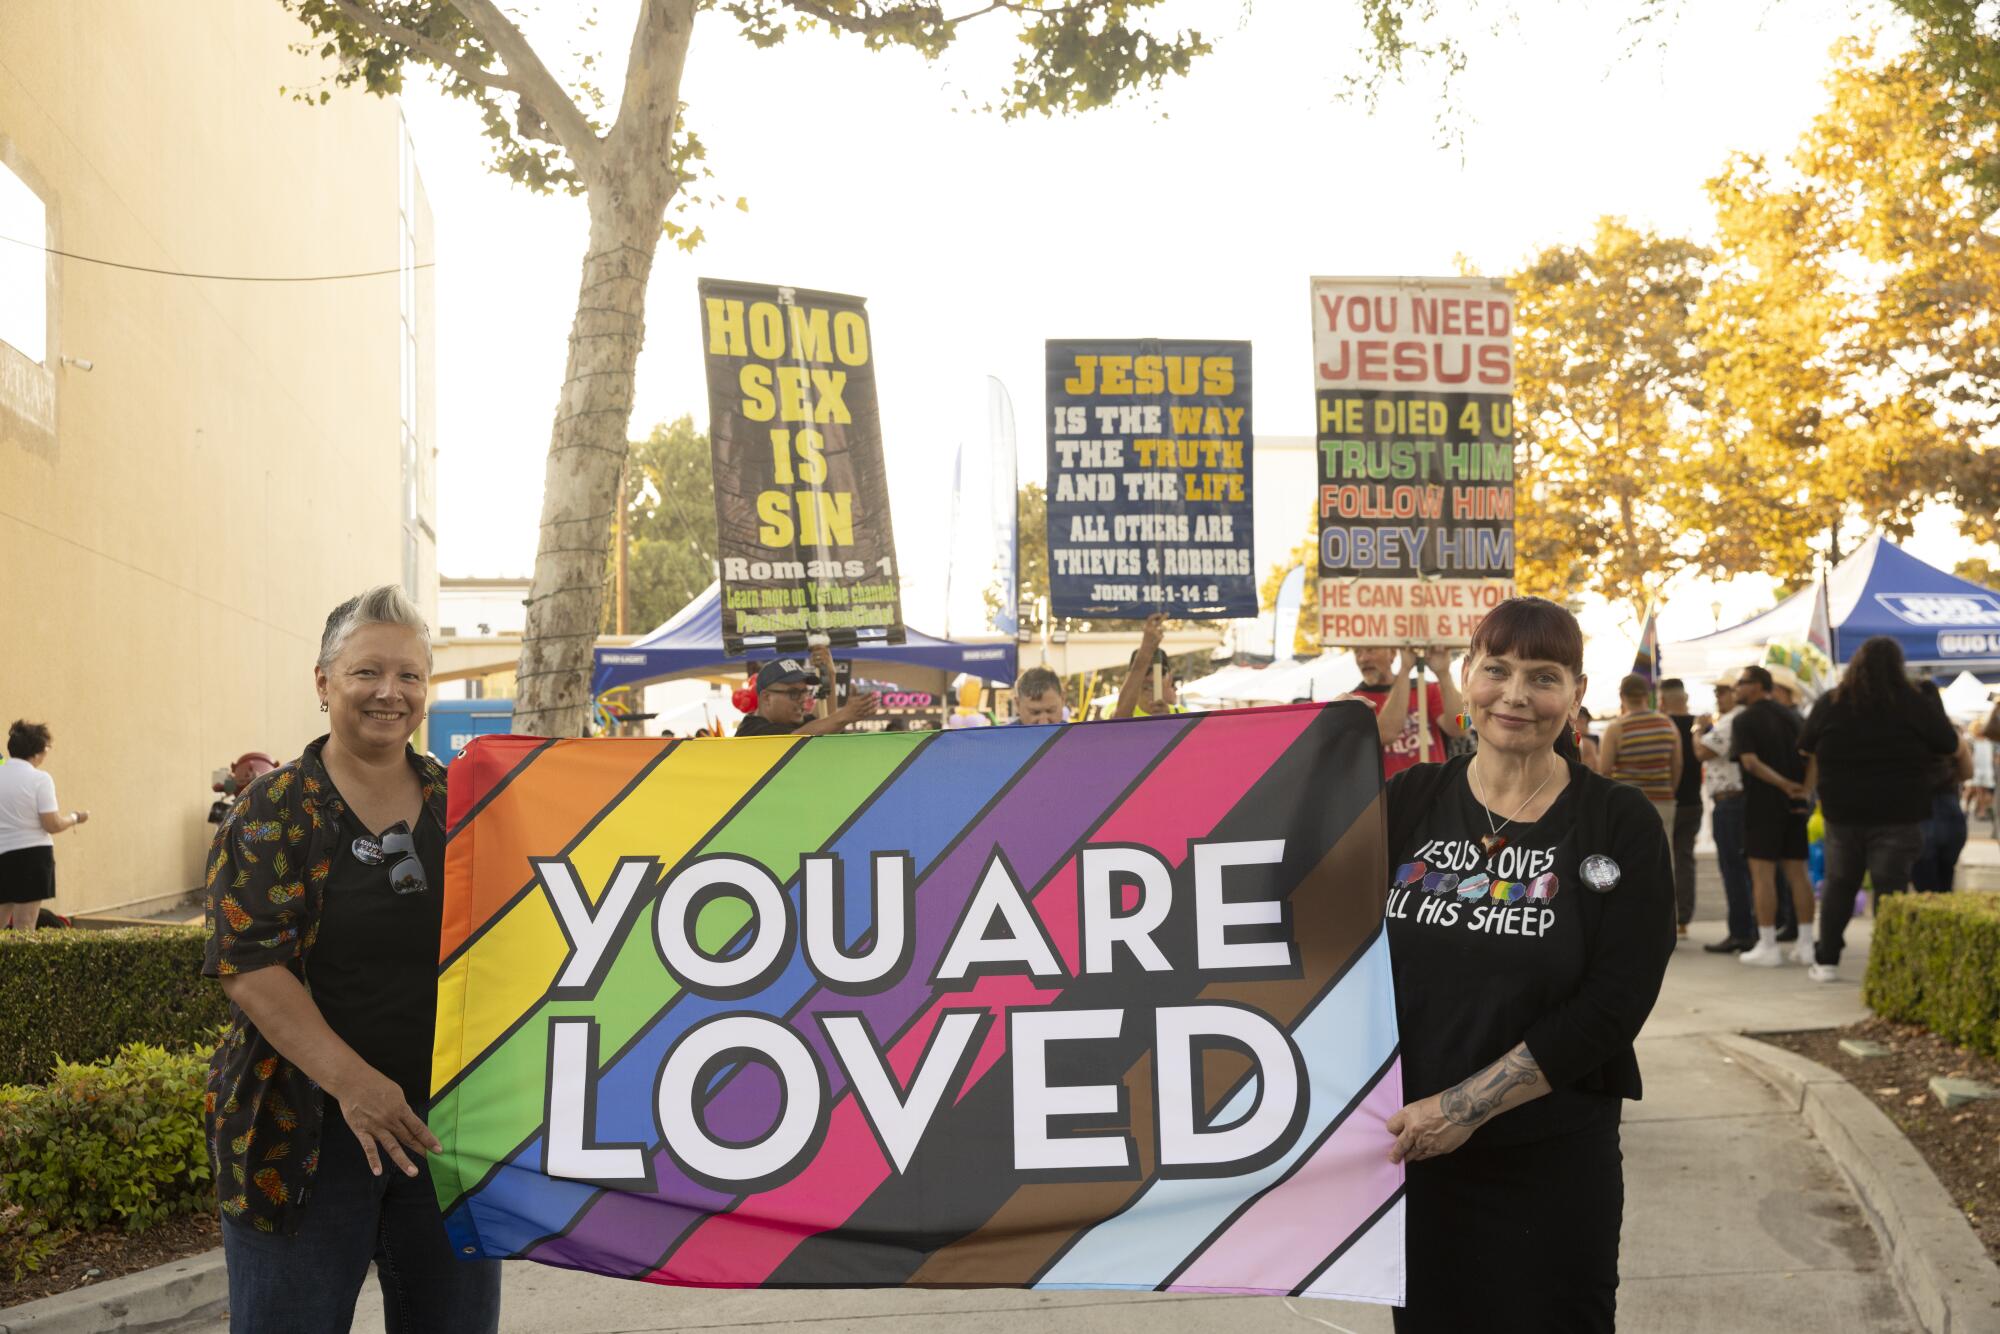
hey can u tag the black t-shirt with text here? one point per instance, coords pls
(1482, 945)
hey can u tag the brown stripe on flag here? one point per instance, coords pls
(1335, 909)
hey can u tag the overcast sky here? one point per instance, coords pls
(1200, 212)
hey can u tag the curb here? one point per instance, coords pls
(1941, 1267)
(151, 1301)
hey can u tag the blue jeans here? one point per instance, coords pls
(1944, 839)
(1726, 824)
(307, 1283)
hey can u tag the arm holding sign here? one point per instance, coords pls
(1439, 661)
(370, 1102)
(1444, 1121)
(1142, 665)
(1393, 716)
(858, 706)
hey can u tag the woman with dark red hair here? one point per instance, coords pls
(1531, 916)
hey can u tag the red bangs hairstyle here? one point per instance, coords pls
(1531, 628)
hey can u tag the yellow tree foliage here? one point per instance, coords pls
(1608, 395)
(1851, 330)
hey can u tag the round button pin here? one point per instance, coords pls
(1600, 873)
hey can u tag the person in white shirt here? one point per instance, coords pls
(29, 821)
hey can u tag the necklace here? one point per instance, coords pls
(1492, 840)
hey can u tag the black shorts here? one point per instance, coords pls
(28, 875)
(1774, 833)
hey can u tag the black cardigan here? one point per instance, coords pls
(1586, 1042)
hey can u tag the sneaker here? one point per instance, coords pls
(1761, 955)
(1729, 945)
(1802, 953)
(1823, 972)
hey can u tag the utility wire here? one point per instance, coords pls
(216, 277)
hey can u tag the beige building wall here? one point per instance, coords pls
(174, 532)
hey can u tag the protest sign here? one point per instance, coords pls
(1095, 1005)
(1149, 479)
(803, 534)
(1415, 416)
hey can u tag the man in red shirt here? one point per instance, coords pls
(1385, 684)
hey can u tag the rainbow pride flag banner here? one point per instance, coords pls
(1104, 1005)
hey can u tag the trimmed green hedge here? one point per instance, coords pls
(80, 995)
(1935, 961)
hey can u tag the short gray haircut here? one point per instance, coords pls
(1036, 682)
(385, 604)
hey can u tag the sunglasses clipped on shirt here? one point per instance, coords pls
(397, 847)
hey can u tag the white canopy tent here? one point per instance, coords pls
(1282, 682)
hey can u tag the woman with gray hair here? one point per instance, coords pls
(325, 893)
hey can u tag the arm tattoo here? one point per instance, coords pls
(1472, 1101)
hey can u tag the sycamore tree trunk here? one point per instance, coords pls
(629, 192)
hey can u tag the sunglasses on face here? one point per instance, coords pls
(398, 848)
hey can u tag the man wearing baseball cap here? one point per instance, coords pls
(784, 687)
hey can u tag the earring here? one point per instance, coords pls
(322, 706)
(1464, 721)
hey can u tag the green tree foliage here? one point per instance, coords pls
(670, 516)
(1958, 52)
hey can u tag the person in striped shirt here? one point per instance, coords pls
(1642, 747)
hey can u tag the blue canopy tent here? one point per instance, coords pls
(692, 640)
(1945, 624)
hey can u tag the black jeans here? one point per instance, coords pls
(1687, 827)
(1884, 851)
(307, 1283)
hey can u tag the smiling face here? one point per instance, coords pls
(1520, 705)
(375, 689)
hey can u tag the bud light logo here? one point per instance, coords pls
(1942, 609)
(1969, 644)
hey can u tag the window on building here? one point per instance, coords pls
(24, 287)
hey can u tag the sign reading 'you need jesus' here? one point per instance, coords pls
(1415, 412)
(1103, 1005)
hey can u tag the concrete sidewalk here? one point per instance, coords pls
(1736, 1220)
